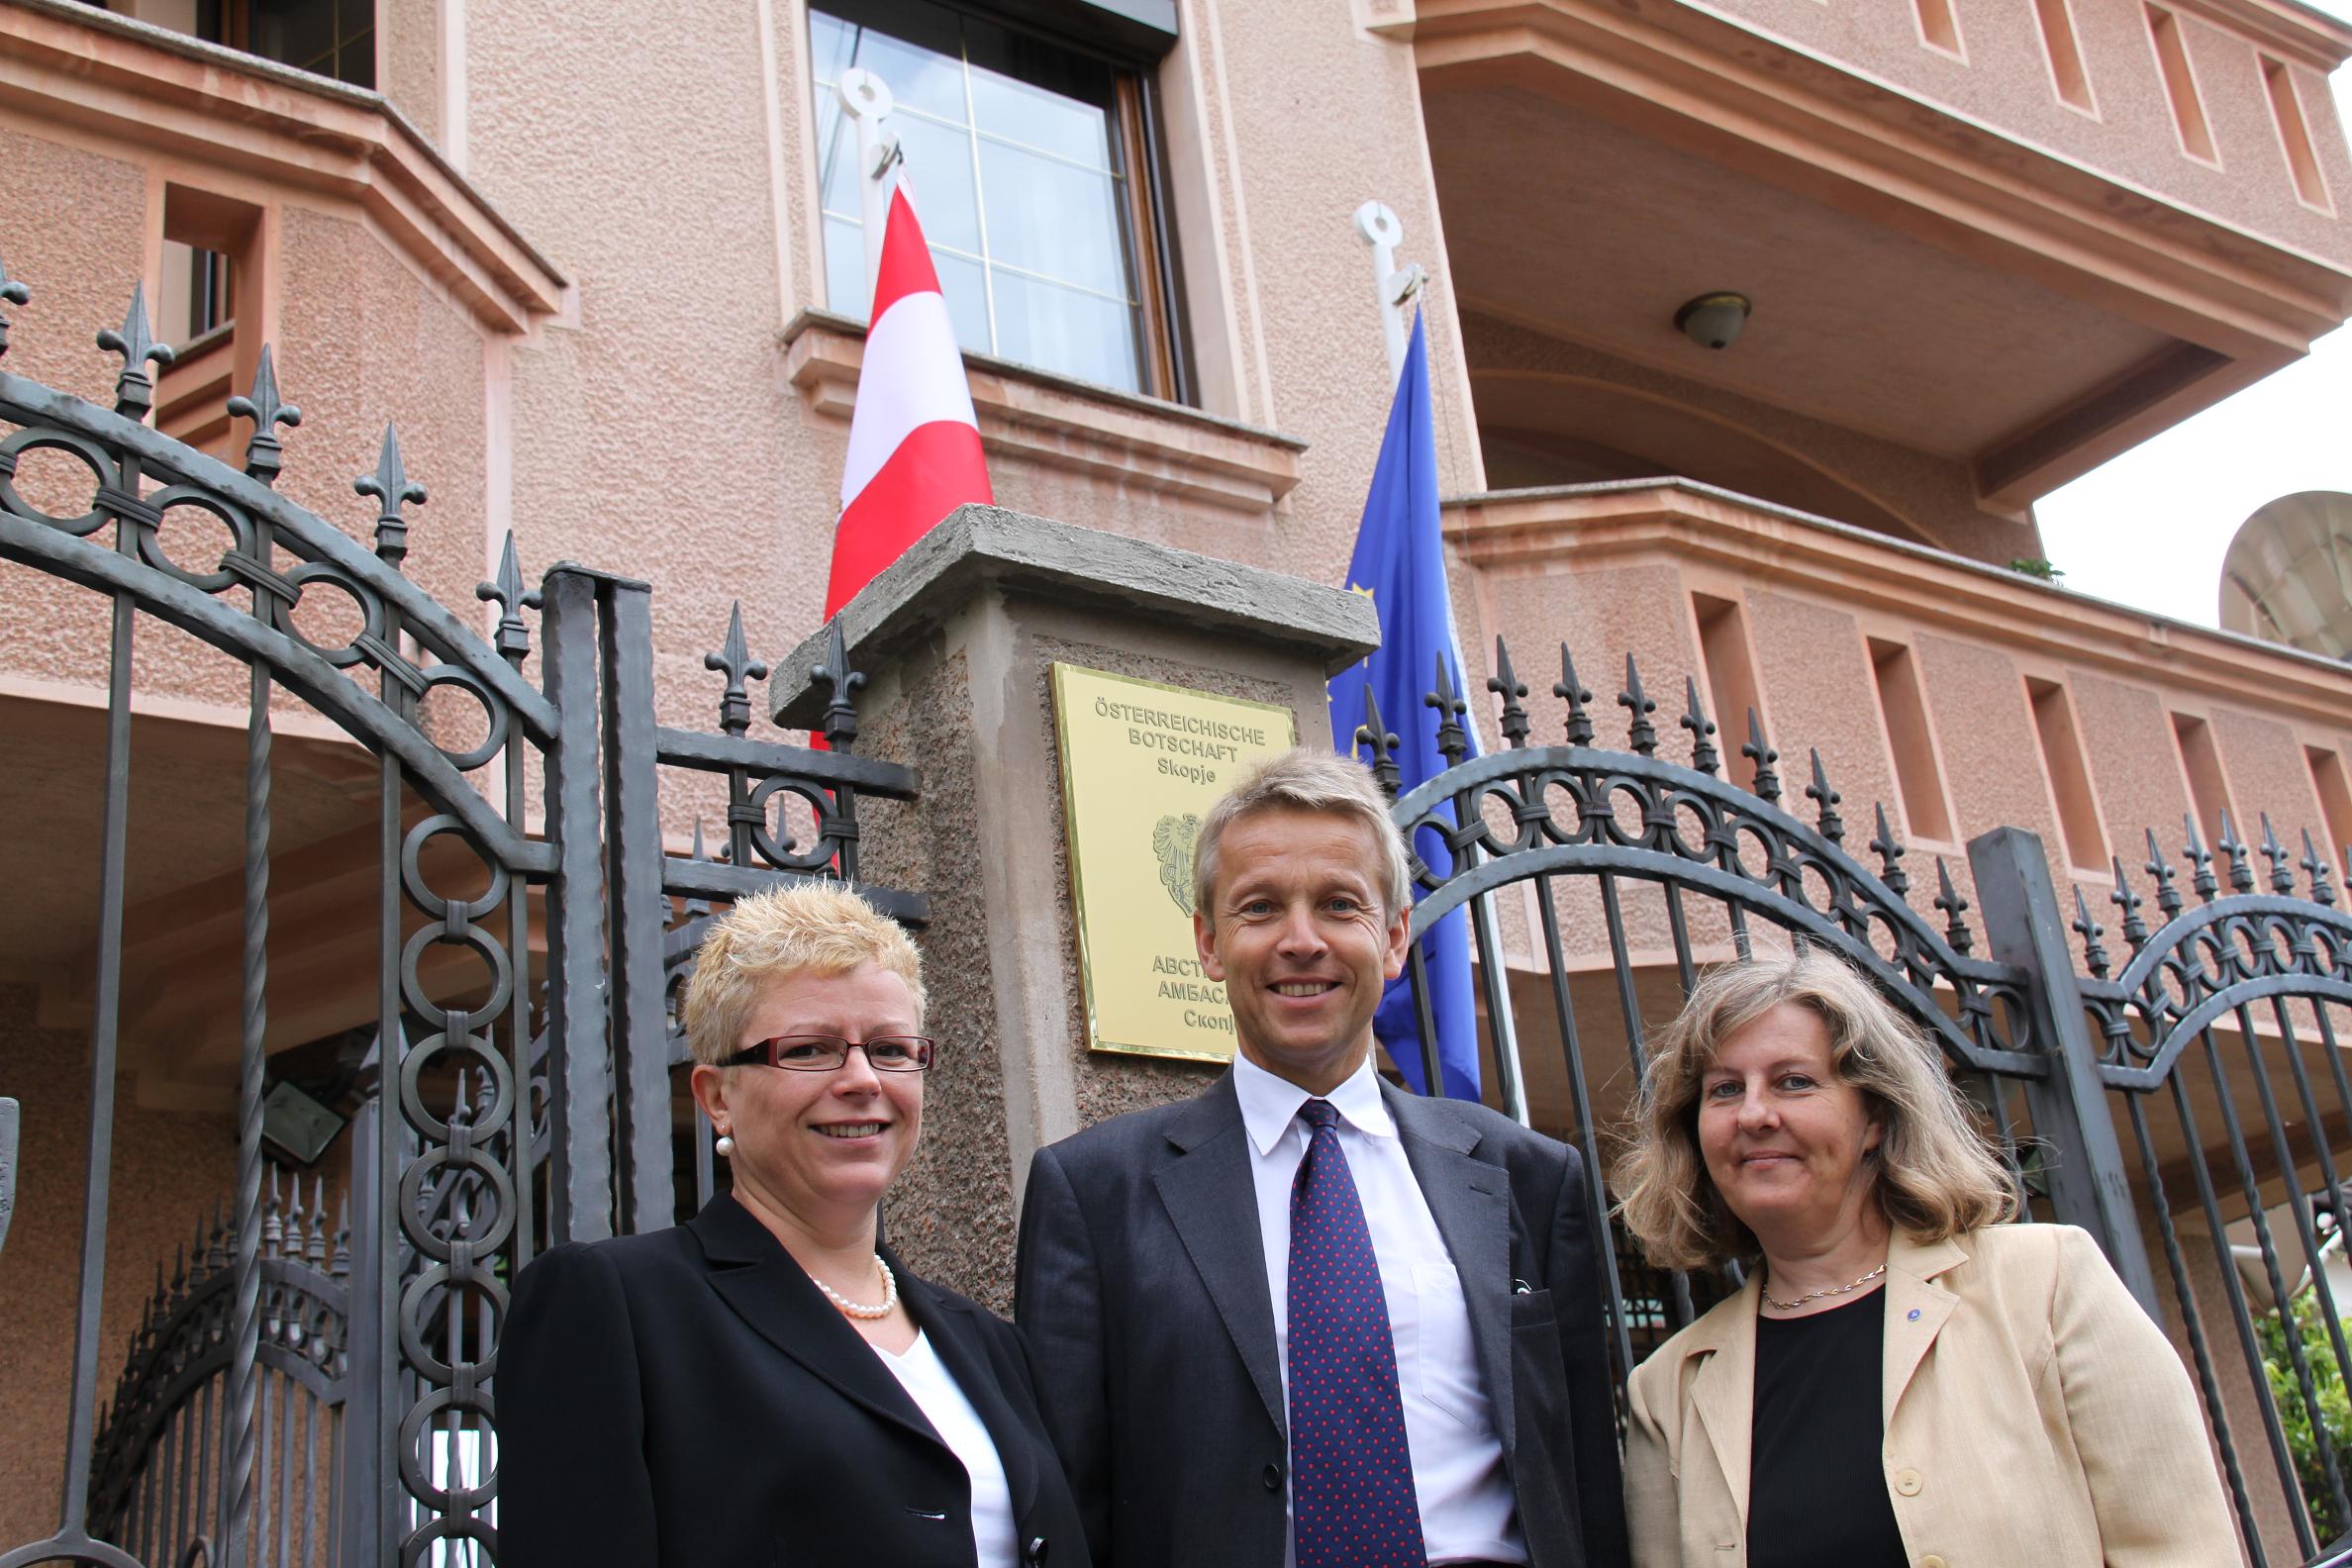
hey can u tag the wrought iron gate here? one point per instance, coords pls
(1554, 836)
(497, 1121)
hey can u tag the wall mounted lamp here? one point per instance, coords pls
(1713, 320)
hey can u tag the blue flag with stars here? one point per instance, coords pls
(1400, 561)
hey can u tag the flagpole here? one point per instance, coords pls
(865, 99)
(1396, 287)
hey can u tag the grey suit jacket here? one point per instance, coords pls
(1142, 1289)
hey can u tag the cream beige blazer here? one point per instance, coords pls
(2034, 1419)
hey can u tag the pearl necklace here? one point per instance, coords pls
(860, 1309)
(1791, 1306)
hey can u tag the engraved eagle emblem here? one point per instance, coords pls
(1172, 842)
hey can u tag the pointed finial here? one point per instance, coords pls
(134, 389)
(1510, 689)
(392, 487)
(1818, 791)
(314, 1250)
(1704, 755)
(1948, 900)
(512, 598)
(1576, 694)
(1452, 743)
(697, 906)
(265, 453)
(2136, 930)
(840, 708)
(2235, 852)
(274, 1220)
(2167, 897)
(733, 660)
(14, 293)
(1641, 737)
(339, 1264)
(1888, 848)
(2282, 875)
(2200, 859)
(2315, 868)
(1374, 733)
(2095, 956)
(1767, 785)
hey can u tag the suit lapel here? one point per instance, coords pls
(757, 1278)
(1212, 1200)
(961, 1340)
(1917, 1309)
(1471, 1202)
(1723, 1391)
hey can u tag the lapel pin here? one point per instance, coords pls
(1914, 1315)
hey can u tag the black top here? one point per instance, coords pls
(1817, 1483)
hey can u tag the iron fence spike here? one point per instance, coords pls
(1641, 737)
(1832, 826)
(1452, 743)
(1948, 900)
(2236, 858)
(134, 389)
(1576, 694)
(2282, 875)
(15, 293)
(2167, 897)
(1505, 683)
(1888, 848)
(265, 453)
(1766, 785)
(393, 489)
(1376, 734)
(2136, 930)
(506, 591)
(733, 660)
(2095, 956)
(1704, 755)
(841, 683)
(2316, 870)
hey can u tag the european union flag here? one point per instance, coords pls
(1400, 561)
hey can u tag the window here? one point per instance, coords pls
(2180, 86)
(1939, 29)
(1918, 779)
(210, 279)
(1024, 159)
(2201, 762)
(329, 38)
(2336, 797)
(2069, 770)
(1731, 683)
(2294, 137)
(2065, 52)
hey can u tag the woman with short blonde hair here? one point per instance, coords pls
(1903, 1379)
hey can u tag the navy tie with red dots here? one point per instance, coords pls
(1352, 1503)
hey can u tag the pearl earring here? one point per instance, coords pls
(725, 1147)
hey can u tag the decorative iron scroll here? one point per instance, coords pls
(1697, 830)
(449, 1196)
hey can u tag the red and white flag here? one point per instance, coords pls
(913, 445)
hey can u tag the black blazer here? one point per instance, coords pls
(1143, 1289)
(688, 1397)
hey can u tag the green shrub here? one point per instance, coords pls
(2295, 1416)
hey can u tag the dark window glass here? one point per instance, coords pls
(1020, 171)
(331, 38)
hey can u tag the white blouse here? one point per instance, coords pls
(943, 1404)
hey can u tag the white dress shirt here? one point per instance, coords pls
(1467, 1509)
(949, 1410)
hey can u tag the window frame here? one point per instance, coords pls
(1134, 120)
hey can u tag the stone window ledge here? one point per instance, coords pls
(1055, 422)
(156, 91)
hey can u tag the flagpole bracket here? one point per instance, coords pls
(1377, 225)
(865, 98)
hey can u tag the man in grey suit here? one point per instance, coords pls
(1302, 1318)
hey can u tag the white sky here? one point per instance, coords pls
(2148, 529)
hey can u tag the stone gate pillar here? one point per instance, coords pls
(957, 639)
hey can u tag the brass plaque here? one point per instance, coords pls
(1142, 763)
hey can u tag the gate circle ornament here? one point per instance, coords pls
(781, 855)
(412, 1089)
(495, 1216)
(420, 892)
(93, 456)
(371, 612)
(232, 518)
(420, 1483)
(412, 983)
(494, 726)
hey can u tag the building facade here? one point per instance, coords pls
(604, 269)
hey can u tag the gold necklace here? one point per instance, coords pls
(1813, 1296)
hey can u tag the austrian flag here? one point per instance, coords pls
(914, 445)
